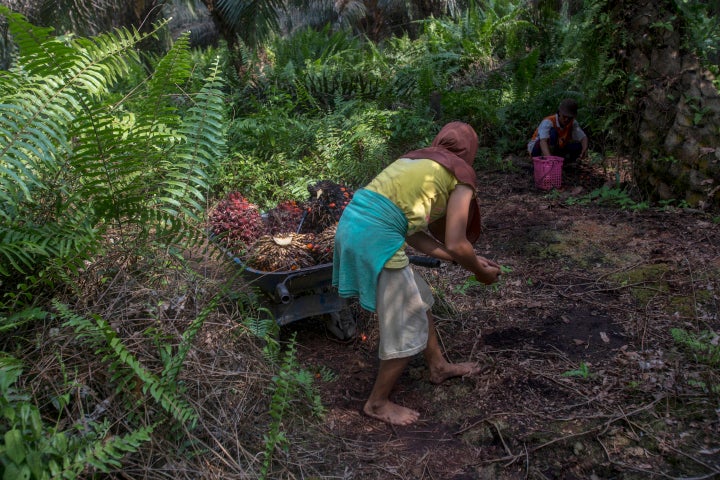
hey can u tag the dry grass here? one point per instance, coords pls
(150, 302)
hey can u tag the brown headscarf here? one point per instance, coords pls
(454, 148)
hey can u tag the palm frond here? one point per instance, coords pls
(251, 20)
(203, 128)
(74, 163)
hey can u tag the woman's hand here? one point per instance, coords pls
(457, 248)
(489, 271)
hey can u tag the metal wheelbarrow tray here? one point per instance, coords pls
(297, 294)
(292, 295)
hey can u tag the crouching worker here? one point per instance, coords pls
(560, 135)
(432, 188)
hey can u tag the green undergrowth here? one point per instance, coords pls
(644, 281)
(99, 156)
(291, 386)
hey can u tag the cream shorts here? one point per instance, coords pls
(403, 300)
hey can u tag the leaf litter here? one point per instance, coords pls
(581, 377)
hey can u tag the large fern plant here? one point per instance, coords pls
(90, 145)
(79, 157)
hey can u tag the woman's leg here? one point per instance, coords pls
(406, 327)
(441, 369)
(378, 405)
(402, 323)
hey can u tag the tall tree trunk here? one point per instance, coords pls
(677, 135)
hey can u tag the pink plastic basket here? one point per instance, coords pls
(548, 172)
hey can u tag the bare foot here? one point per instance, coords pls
(391, 413)
(442, 372)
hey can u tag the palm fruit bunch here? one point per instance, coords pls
(285, 217)
(324, 245)
(236, 223)
(272, 253)
(326, 204)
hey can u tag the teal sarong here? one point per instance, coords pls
(370, 231)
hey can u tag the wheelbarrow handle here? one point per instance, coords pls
(283, 293)
(422, 261)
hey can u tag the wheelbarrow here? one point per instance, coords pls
(293, 295)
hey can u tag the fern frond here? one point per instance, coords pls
(172, 370)
(99, 333)
(104, 454)
(33, 130)
(171, 74)
(23, 247)
(182, 191)
(56, 89)
(25, 35)
(48, 452)
(74, 163)
(20, 318)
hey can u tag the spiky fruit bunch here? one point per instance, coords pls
(325, 245)
(285, 217)
(281, 253)
(326, 204)
(237, 223)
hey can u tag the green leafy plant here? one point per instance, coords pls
(264, 326)
(174, 363)
(326, 374)
(703, 32)
(668, 205)
(610, 196)
(290, 381)
(126, 369)
(583, 371)
(30, 448)
(77, 162)
(703, 346)
(698, 111)
(86, 151)
(470, 282)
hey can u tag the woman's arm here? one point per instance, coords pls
(428, 245)
(456, 240)
(457, 248)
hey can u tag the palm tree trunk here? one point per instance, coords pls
(677, 134)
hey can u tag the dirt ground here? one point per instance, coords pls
(581, 377)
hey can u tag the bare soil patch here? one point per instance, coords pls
(581, 377)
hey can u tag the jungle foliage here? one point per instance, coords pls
(86, 159)
(324, 102)
(328, 104)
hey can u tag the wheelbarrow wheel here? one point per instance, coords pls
(342, 324)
